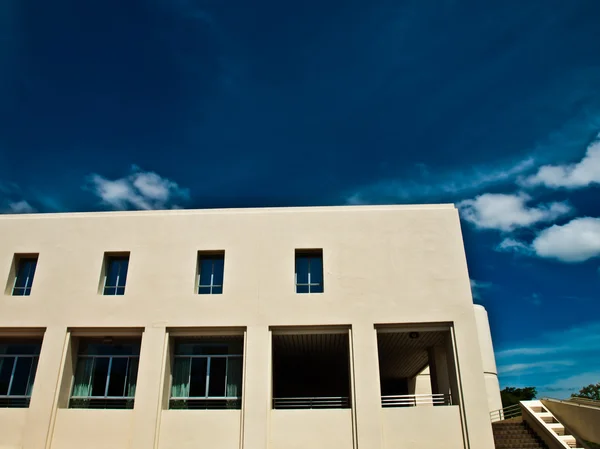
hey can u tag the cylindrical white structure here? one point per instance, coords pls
(490, 371)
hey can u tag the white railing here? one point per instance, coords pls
(311, 402)
(509, 412)
(413, 400)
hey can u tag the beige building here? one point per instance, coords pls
(333, 327)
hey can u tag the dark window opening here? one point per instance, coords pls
(311, 371)
(207, 373)
(18, 365)
(210, 273)
(309, 271)
(115, 274)
(25, 270)
(105, 374)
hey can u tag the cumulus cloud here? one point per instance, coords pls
(571, 176)
(20, 207)
(506, 212)
(139, 190)
(575, 241)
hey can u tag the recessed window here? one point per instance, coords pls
(24, 272)
(309, 271)
(18, 364)
(106, 373)
(210, 273)
(207, 373)
(115, 274)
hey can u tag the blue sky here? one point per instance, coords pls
(494, 106)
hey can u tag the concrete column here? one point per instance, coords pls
(148, 395)
(42, 409)
(490, 372)
(367, 390)
(439, 364)
(256, 408)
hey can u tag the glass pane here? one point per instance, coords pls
(32, 376)
(302, 289)
(110, 290)
(204, 291)
(218, 266)
(198, 378)
(20, 292)
(21, 376)
(316, 288)
(120, 290)
(118, 372)
(180, 387)
(123, 267)
(31, 264)
(301, 270)
(218, 367)
(234, 377)
(99, 374)
(316, 270)
(206, 269)
(132, 377)
(112, 272)
(217, 290)
(6, 366)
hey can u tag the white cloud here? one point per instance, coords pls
(576, 241)
(478, 287)
(506, 212)
(510, 244)
(20, 207)
(515, 369)
(570, 176)
(139, 190)
(452, 183)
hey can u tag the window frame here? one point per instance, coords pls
(109, 259)
(105, 401)
(210, 256)
(25, 398)
(309, 254)
(19, 261)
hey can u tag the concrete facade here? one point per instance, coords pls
(385, 268)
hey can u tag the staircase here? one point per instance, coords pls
(515, 434)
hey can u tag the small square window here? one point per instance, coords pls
(115, 274)
(210, 273)
(309, 271)
(24, 272)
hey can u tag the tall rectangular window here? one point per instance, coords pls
(207, 373)
(210, 273)
(18, 364)
(106, 373)
(309, 271)
(115, 274)
(25, 270)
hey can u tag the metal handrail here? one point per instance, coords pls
(413, 400)
(512, 411)
(311, 402)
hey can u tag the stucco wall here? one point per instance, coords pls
(12, 426)
(488, 358)
(382, 265)
(314, 429)
(190, 429)
(422, 427)
(92, 429)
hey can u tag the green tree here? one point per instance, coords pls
(592, 391)
(512, 396)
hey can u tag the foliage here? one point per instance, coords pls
(592, 391)
(512, 396)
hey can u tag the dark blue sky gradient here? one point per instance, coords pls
(271, 103)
